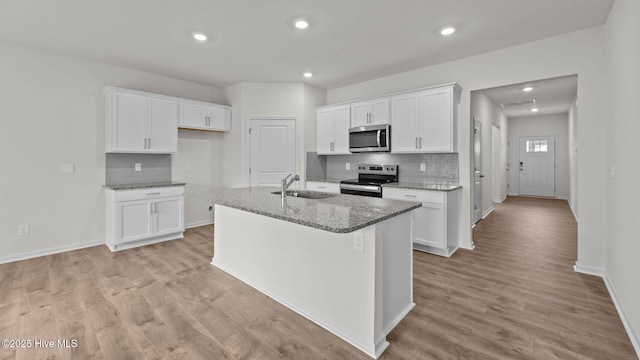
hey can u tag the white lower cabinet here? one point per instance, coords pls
(143, 216)
(323, 186)
(435, 224)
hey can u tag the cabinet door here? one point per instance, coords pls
(163, 126)
(341, 124)
(324, 133)
(404, 137)
(436, 121)
(134, 218)
(429, 225)
(379, 112)
(360, 114)
(323, 187)
(217, 120)
(193, 115)
(129, 122)
(168, 215)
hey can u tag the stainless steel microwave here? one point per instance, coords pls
(373, 138)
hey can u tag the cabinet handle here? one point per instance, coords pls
(371, 117)
(322, 187)
(149, 143)
(410, 196)
(416, 142)
(155, 193)
(420, 142)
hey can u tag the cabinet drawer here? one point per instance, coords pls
(425, 196)
(323, 186)
(148, 193)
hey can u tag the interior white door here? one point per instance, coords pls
(477, 170)
(537, 165)
(273, 151)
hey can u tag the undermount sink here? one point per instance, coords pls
(306, 194)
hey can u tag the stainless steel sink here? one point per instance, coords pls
(306, 194)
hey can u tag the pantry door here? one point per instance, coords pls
(537, 164)
(273, 150)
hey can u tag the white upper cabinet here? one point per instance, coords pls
(140, 123)
(333, 130)
(370, 112)
(425, 121)
(204, 116)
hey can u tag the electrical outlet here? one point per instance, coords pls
(23, 230)
(423, 167)
(358, 241)
(347, 166)
(138, 167)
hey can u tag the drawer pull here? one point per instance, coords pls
(155, 193)
(322, 187)
(410, 196)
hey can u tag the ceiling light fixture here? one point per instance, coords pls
(534, 109)
(200, 36)
(307, 74)
(447, 30)
(302, 23)
(527, 89)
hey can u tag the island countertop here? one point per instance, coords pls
(338, 214)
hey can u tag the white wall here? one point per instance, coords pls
(268, 100)
(51, 108)
(623, 241)
(489, 115)
(574, 53)
(556, 125)
(573, 157)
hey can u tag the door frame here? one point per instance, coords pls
(248, 143)
(555, 163)
(477, 128)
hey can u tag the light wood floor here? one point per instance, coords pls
(514, 297)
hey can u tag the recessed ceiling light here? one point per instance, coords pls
(307, 74)
(527, 89)
(448, 30)
(534, 109)
(302, 23)
(200, 36)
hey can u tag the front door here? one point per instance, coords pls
(273, 151)
(537, 165)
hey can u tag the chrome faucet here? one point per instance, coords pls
(285, 183)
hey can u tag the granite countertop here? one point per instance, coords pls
(338, 214)
(143, 185)
(420, 185)
(335, 181)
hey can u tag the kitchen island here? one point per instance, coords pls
(344, 262)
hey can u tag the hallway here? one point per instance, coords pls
(516, 295)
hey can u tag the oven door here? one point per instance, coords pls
(362, 190)
(370, 138)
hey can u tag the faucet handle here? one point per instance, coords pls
(287, 177)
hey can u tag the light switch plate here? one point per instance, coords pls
(23, 230)
(423, 166)
(67, 169)
(138, 167)
(358, 241)
(347, 166)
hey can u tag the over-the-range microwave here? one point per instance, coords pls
(372, 138)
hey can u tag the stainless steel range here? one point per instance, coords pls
(370, 180)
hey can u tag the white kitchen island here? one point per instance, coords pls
(344, 262)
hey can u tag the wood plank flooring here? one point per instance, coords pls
(515, 296)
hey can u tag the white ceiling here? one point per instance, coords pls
(552, 96)
(254, 40)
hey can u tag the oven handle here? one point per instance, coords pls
(369, 188)
(379, 133)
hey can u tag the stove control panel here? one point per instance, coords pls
(378, 169)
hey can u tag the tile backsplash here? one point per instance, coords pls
(120, 168)
(438, 167)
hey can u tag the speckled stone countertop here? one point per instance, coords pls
(143, 185)
(419, 185)
(335, 181)
(338, 214)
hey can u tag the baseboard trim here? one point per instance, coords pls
(198, 224)
(50, 251)
(623, 317)
(575, 215)
(486, 213)
(589, 270)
